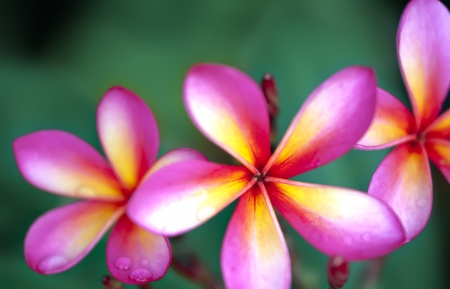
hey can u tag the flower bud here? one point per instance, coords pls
(338, 271)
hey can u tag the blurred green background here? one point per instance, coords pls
(57, 58)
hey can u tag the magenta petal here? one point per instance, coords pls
(329, 124)
(438, 151)
(403, 181)
(128, 133)
(392, 124)
(254, 252)
(338, 221)
(61, 163)
(423, 43)
(184, 195)
(60, 238)
(229, 108)
(136, 256)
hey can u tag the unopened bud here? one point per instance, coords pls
(269, 88)
(338, 271)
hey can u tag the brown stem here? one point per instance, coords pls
(110, 282)
(190, 266)
(372, 272)
(270, 91)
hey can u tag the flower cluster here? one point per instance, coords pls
(150, 200)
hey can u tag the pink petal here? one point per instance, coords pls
(438, 151)
(128, 133)
(61, 163)
(182, 196)
(337, 221)
(60, 238)
(403, 181)
(329, 124)
(175, 156)
(229, 108)
(440, 128)
(423, 44)
(254, 252)
(136, 256)
(392, 124)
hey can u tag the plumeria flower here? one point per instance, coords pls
(403, 179)
(229, 108)
(61, 163)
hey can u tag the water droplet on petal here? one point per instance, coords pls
(140, 275)
(366, 237)
(123, 263)
(348, 240)
(85, 192)
(422, 203)
(205, 213)
(52, 263)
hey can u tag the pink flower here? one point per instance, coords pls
(403, 179)
(61, 163)
(228, 107)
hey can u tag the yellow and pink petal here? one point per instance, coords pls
(228, 107)
(403, 181)
(332, 120)
(423, 44)
(440, 128)
(182, 196)
(61, 163)
(254, 252)
(60, 238)
(392, 124)
(337, 221)
(128, 133)
(438, 151)
(136, 256)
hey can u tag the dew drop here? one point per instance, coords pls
(366, 237)
(52, 263)
(85, 192)
(205, 213)
(140, 275)
(422, 203)
(347, 239)
(123, 263)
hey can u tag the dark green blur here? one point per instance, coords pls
(57, 59)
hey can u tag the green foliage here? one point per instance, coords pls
(147, 46)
